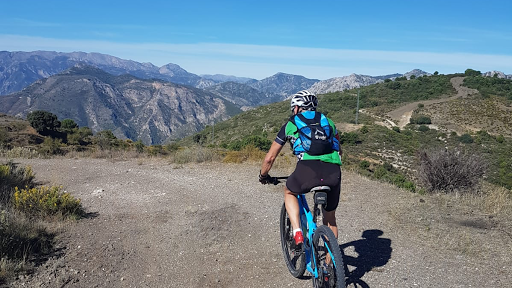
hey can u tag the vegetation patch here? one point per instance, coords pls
(47, 201)
(24, 238)
(450, 170)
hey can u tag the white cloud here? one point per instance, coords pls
(259, 61)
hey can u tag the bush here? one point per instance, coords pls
(423, 128)
(21, 239)
(252, 140)
(139, 146)
(364, 165)
(350, 138)
(466, 138)
(195, 154)
(105, 139)
(47, 201)
(12, 176)
(449, 170)
(51, 146)
(420, 119)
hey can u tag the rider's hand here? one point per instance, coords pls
(265, 179)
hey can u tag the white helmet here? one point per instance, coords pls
(304, 99)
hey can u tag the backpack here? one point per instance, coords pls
(315, 135)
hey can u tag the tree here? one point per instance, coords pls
(67, 125)
(44, 122)
(436, 73)
(471, 72)
(105, 139)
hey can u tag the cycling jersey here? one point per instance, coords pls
(289, 132)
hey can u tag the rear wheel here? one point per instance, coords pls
(328, 259)
(293, 255)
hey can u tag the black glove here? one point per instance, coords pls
(265, 179)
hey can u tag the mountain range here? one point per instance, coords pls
(154, 111)
(143, 101)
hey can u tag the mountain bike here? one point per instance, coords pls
(320, 254)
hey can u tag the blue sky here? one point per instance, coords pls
(317, 39)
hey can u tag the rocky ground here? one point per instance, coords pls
(155, 224)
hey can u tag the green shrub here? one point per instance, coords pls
(364, 165)
(423, 128)
(349, 138)
(380, 172)
(139, 146)
(396, 129)
(252, 140)
(420, 119)
(4, 137)
(51, 146)
(172, 147)
(466, 138)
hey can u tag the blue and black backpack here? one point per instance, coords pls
(315, 134)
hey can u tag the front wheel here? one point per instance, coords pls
(293, 256)
(331, 271)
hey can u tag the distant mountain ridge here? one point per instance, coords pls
(20, 69)
(151, 110)
(355, 81)
(170, 103)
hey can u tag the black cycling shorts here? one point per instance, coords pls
(312, 173)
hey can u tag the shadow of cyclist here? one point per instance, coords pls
(372, 252)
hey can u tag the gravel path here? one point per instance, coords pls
(403, 114)
(155, 224)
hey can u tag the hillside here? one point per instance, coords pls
(476, 128)
(151, 110)
(17, 132)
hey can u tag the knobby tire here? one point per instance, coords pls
(294, 259)
(336, 275)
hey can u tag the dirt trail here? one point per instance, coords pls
(403, 114)
(213, 225)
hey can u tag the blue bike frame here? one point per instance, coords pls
(307, 221)
(310, 226)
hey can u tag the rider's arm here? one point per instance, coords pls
(270, 158)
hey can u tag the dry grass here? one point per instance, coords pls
(247, 154)
(195, 154)
(470, 224)
(21, 240)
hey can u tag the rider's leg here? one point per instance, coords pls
(292, 207)
(329, 219)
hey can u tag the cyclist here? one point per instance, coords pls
(311, 170)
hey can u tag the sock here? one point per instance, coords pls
(295, 231)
